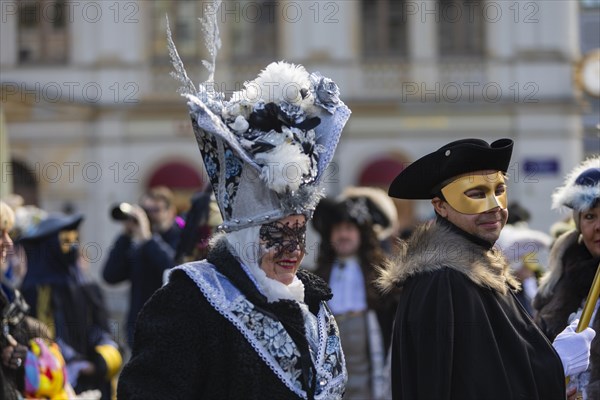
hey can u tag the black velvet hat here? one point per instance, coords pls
(422, 178)
(361, 206)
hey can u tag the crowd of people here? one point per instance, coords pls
(474, 295)
(472, 305)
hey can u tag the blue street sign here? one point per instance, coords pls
(542, 166)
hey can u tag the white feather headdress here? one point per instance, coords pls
(581, 188)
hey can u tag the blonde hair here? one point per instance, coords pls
(7, 217)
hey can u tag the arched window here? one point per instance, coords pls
(380, 172)
(183, 179)
(176, 175)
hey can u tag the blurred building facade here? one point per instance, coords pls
(93, 116)
(589, 29)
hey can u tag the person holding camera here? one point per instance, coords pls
(145, 249)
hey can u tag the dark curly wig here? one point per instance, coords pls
(370, 254)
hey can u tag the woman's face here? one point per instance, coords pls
(283, 243)
(5, 246)
(345, 239)
(590, 230)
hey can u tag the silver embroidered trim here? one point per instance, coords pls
(327, 358)
(211, 283)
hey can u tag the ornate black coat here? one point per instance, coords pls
(459, 332)
(210, 334)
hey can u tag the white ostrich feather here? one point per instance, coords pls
(283, 167)
(180, 73)
(278, 82)
(212, 39)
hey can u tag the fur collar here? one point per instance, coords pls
(434, 246)
(555, 267)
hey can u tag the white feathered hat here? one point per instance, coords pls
(581, 189)
(383, 212)
(360, 205)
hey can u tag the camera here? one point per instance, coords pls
(122, 212)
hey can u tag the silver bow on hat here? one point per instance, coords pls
(266, 149)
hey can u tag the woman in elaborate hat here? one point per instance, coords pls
(247, 322)
(460, 332)
(574, 259)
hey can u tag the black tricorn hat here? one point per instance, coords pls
(422, 178)
(54, 224)
(327, 213)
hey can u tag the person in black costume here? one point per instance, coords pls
(72, 306)
(460, 333)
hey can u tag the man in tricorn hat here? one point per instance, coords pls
(460, 333)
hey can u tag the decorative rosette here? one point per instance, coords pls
(274, 117)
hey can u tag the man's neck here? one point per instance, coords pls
(347, 258)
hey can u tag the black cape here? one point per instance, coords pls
(459, 332)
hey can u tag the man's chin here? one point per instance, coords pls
(490, 237)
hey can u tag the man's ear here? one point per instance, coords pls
(440, 206)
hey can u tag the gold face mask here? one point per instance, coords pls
(474, 194)
(67, 239)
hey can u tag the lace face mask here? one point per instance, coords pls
(284, 238)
